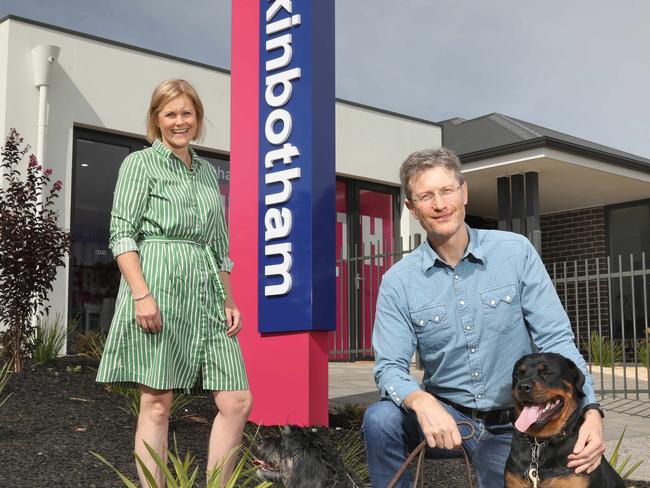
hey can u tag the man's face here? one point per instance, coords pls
(438, 201)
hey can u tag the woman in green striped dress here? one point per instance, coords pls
(175, 322)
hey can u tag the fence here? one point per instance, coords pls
(606, 300)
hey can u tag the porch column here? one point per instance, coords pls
(503, 201)
(518, 204)
(532, 210)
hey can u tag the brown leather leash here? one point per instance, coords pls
(420, 467)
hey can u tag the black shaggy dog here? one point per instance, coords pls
(301, 458)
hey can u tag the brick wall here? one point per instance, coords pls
(573, 247)
(579, 234)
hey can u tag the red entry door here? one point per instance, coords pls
(365, 231)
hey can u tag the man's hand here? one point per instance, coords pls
(590, 445)
(439, 427)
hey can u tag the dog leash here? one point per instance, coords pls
(420, 467)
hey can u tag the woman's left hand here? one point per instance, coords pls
(233, 318)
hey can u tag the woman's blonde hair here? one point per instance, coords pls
(166, 91)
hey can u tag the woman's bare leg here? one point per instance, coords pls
(227, 429)
(153, 424)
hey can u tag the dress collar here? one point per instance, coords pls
(164, 151)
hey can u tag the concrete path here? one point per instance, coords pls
(353, 383)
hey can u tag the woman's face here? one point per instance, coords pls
(177, 122)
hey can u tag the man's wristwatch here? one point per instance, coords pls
(594, 406)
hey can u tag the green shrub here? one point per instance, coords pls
(5, 373)
(185, 471)
(50, 338)
(348, 416)
(90, 344)
(643, 353)
(620, 466)
(353, 454)
(601, 350)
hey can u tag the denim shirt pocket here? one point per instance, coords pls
(430, 324)
(500, 308)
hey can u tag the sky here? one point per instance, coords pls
(581, 67)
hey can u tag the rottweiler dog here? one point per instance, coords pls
(547, 390)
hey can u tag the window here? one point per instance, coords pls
(94, 275)
(628, 241)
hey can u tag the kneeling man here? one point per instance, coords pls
(471, 302)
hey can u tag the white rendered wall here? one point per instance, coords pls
(4, 63)
(98, 85)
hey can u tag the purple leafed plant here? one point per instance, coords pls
(32, 247)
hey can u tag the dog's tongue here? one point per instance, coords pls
(527, 418)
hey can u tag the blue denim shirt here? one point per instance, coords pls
(470, 324)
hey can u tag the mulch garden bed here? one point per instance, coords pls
(57, 415)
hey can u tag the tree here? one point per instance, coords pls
(32, 247)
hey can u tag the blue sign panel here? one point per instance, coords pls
(297, 166)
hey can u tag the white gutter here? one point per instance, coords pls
(43, 57)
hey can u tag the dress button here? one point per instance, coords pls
(456, 277)
(479, 396)
(421, 322)
(462, 302)
(472, 350)
(508, 298)
(467, 327)
(436, 318)
(476, 375)
(492, 302)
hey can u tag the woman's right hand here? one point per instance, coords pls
(147, 315)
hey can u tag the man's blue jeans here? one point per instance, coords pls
(392, 433)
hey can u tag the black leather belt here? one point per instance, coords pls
(489, 417)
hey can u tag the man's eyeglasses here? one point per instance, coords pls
(447, 194)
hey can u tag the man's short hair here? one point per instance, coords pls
(420, 161)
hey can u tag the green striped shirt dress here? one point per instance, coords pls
(173, 217)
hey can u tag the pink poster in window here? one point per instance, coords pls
(339, 339)
(376, 231)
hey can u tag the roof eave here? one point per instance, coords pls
(554, 143)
